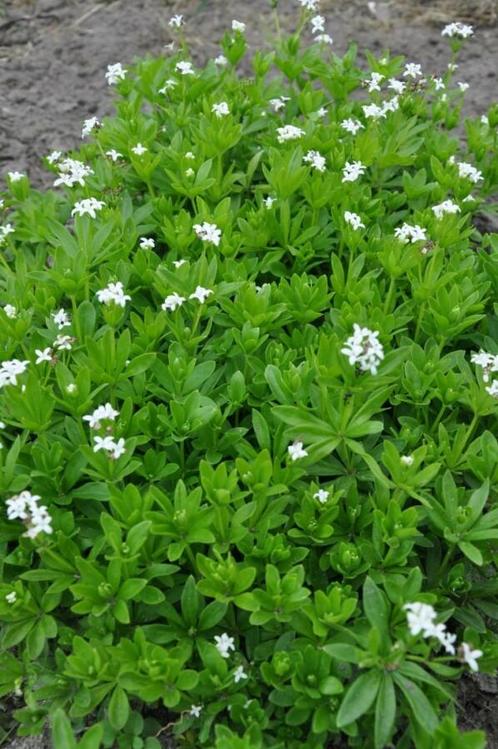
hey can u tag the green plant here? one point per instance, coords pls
(248, 410)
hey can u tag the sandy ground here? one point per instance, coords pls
(54, 53)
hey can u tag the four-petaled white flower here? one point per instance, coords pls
(352, 170)
(221, 109)
(179, 263)
(89, 125)
(113, 154)
(397, 86)
(458, 29)
(412, 70)
(321, 495)
(463, 86)
(315, 160)
(239, 674)
(139, 149)
(10, 311)
(289, 132)
(201, 294)
(268, 202)
(352, 126)
(278, 103)
(184, 67)
(61, 319)
(43, 355)
(64, 342)
(11, 597)
(10, 370)
(105, 412)
(238, 26)
(297, 451)
(113, 292)
(208, 232)
(373, 83)
(88, 207)
(470, 656)
(353, 220)
(172, 302)
(488, 363)
(324, 39)
(447, 206)
(112, 448)
(364, 349)
(221, 60)
(309, 4)
(224, 643)
(408, 233)
(176, 21)
(317, 24)
(54, 156)
(195, 711)
(147, 243)
(15, 176)
(115, 73)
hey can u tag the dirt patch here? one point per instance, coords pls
(477, 706)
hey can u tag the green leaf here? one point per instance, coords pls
(62, 733)
(376, 607)
(471, 552)
(421, 708)
(190, 602)
(359, 698)
(385, 712)
(119, 708)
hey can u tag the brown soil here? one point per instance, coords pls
(53, 55)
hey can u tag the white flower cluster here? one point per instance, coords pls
(352, 126)
(421, 620)
(289, 132)
(10, 311)
(102, 413)
(24, 506)
(113, 293)
(88, 125)
(409, 233)
(139, 149)
(468, 171)
(10, 370)
(114, 449)
(309, 4)
(208, 233)
(238, 26)
(488, 364)
(373, 83)
(15, 176)
(88, 207)
(364, 349)
(352, 170)
(279, 103)
(147, 243)
(105, 413)
(412, 70)
(315, 160)
(462, 30)
(5, 230)
(375, 112)
(61, 319)
(176, 21)
(353, 220)
(115, 73)
(174, 300)
(297, 451)
(72, 172)
(224, 644)
(185, 67)
(318, 29)
(447, 206)
(321, 495)
(221, 109)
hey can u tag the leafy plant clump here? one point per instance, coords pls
(249, 403)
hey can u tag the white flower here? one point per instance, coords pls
(407, 460)
(352, 126)
(179, 263)
(9, 371)
(409, 233)
(189, 172)
(420, 618)
(170, 83)
(268, 202)
(364, 349)
(11, 597)
(201, 294)
(492, 390)
(185, 68)
(172, 302)
(72, 172)
(147, 243)
(118, 449)
(373, 111)
(239, 674)
(195, 711)
(113, 154)
(488, 362)
(139, 149)
(88, 206)
(470, 656)
(321, 495)
(321, 112)
(106, 412)
(2, 425)
(54, 156)
(208, 233)
(354, 220)
(315, 160)
(278, 103)
(289, 132)
(317, 24)
(115, 73)
(221, 109)
(485, 120)
(71, 388)
(324, 39)
(63, 342)
(41, 522)
(309, 4)
(103, 443)
(467, 171)
(24, 506)
(463, 86)
(296, 451)
(439, 84)
(447, 206)
(15, 176)
(457, 29)
(10, 311)
(397, 86)
(224, 643)
(43, 355)
(412, 70)
(89, 125)
(373, 83)
(221, 60)
(61, 319)
(113, 292)
(176, 21)
(238, 26)
(352, 170)
(5, 230)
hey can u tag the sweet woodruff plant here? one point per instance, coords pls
(249, 399)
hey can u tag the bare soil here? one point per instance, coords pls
(54, 53)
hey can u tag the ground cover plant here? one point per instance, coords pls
(248, 396)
